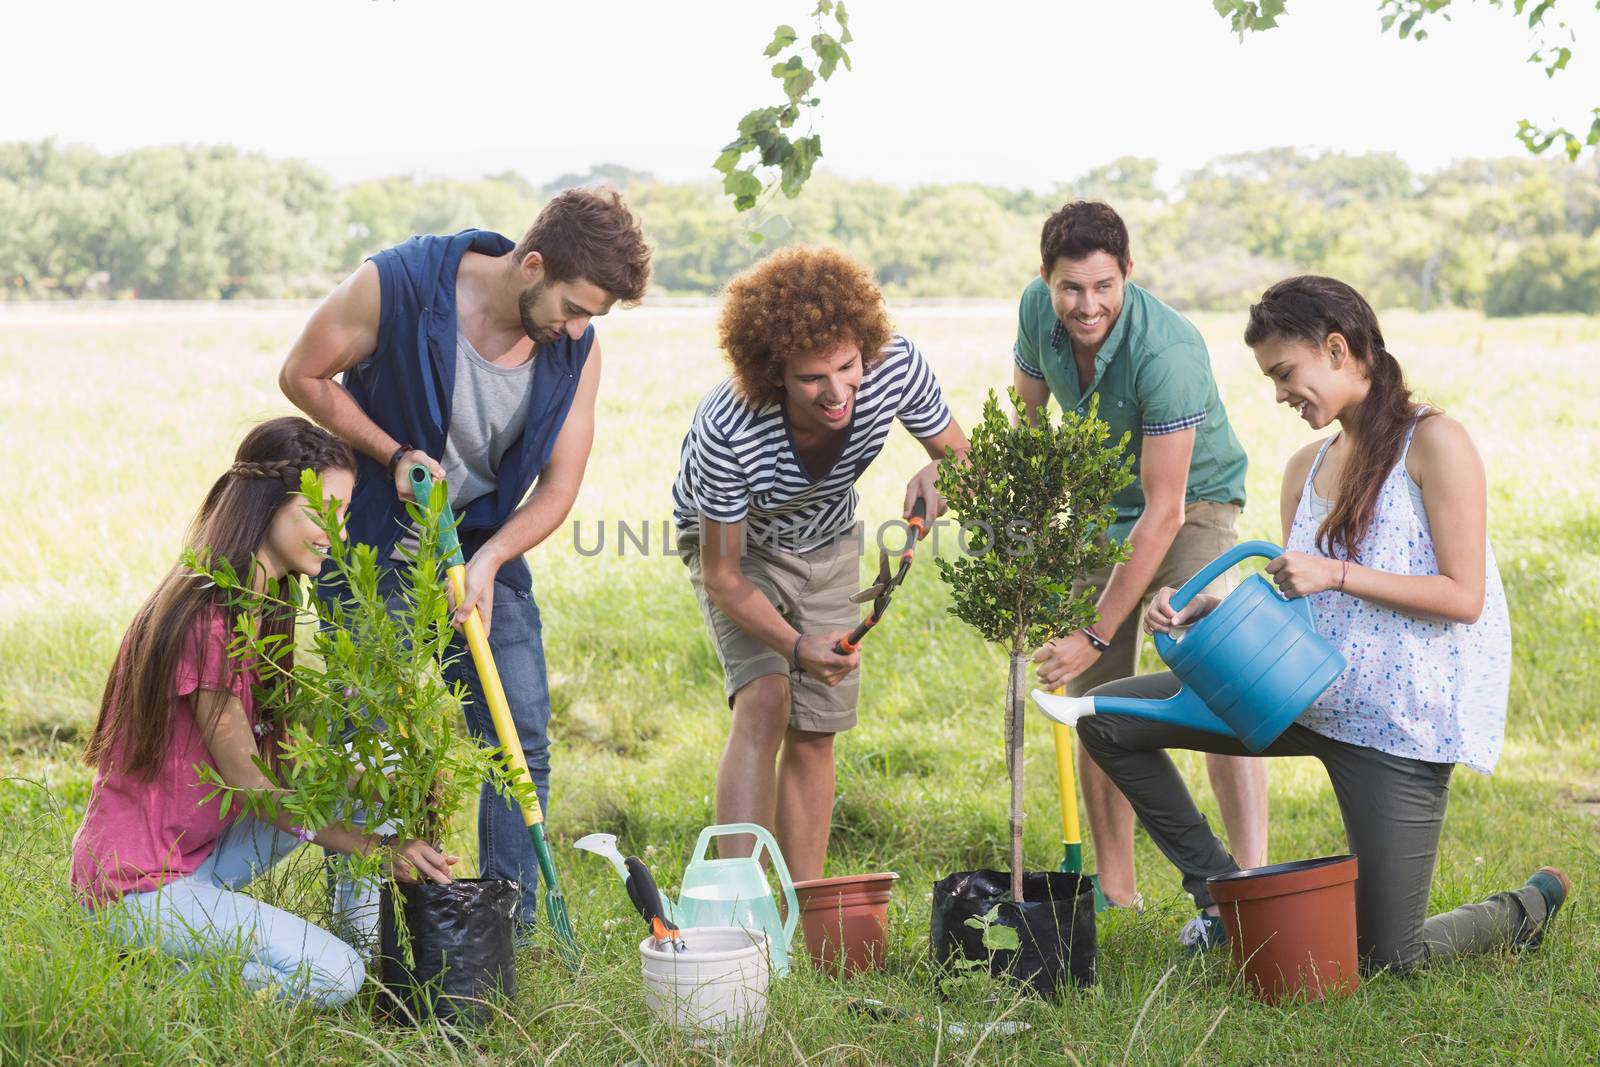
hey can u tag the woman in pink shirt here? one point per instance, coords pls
(161, 866)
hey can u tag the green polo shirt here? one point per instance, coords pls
(1153, 375)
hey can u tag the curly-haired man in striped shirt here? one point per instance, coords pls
(764, 505)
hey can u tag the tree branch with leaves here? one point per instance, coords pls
(764, 138)
(1408, 19)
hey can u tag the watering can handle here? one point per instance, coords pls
(1209, 574)
(791, 902)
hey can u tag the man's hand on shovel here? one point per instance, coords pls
(481, 572)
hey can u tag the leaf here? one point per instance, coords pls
(998, 938)
(828, 50)
(744, 187)
(782, 38)
(764, 118)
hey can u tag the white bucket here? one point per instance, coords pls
(719, 983)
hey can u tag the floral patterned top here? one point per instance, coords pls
(1424, 690)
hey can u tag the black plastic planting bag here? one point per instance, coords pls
(1054, 925)
(461, 942)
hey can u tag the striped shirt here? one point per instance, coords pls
(738, 463)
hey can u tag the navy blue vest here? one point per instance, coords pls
(406, 384)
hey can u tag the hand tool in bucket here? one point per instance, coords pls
(494, 694)
(880, 591)
(641, 886)
(1248, 669)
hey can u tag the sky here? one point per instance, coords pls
(1007, 92)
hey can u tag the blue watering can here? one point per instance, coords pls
(1248, 669)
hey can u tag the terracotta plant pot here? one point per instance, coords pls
(846, 920)
(1292, 927)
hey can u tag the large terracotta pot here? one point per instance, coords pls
(1292, 927)
(846, 920)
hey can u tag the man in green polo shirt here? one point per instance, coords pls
(1084, 329)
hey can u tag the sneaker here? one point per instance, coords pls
(1203, 933)
(1552, 884)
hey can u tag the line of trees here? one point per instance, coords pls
(1510, 236)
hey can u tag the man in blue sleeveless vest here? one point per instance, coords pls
(476, 357)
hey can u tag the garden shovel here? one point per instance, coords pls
(494, 694)
(1071, 832)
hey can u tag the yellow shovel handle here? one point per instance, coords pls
(1067, 782)
(494, 693)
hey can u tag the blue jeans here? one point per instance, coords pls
(516, 639)
(203, 916)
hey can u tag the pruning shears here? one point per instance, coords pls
(880, 591)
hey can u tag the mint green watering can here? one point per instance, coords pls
(735, 892)
(1248, 669)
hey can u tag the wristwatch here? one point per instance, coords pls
(1094, 639)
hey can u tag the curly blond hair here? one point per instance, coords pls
(798, 302)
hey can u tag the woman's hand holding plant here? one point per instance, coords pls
(414, 860)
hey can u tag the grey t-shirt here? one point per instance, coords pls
(488, 410)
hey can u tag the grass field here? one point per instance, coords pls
(119, 418)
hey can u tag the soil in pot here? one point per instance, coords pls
(846, 920)
(461, 944)
(1054, 925)
(1292, 927)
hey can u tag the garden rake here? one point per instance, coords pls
(555, 904)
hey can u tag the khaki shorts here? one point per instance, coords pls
(1207, 532)
(812, 591)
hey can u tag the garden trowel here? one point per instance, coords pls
(641, 887)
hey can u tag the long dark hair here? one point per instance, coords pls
(135, 722)
(1308, 308)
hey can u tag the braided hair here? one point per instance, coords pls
(135, 723)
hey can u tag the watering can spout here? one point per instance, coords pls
(1183, 708)
(1064, 710)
